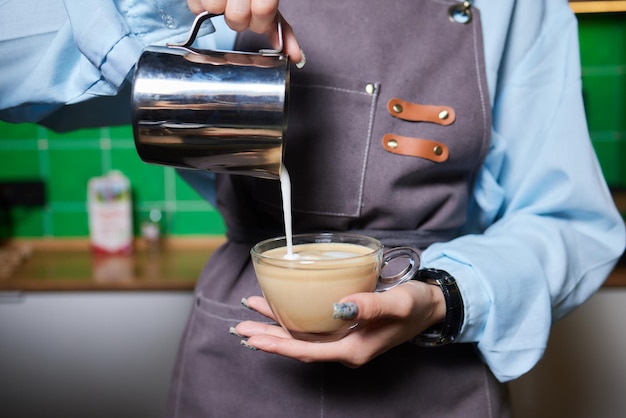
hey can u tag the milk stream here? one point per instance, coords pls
(303, 254)
(285, 188)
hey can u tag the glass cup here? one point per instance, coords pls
(325, 267)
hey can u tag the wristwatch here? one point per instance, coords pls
(447, 331)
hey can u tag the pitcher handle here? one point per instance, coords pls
(200, 18)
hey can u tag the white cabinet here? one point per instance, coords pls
(111, 354)
(88, 354)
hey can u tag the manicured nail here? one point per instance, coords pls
(248, 346)
(347, 310)
(232, 331)
(244, 302)
(302, 61)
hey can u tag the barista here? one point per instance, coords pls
(502, 215)
(496, 212)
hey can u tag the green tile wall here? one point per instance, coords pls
(67, 161)
(603, 55)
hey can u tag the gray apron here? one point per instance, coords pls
(389, 122)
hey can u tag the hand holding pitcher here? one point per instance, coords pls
(257, 15)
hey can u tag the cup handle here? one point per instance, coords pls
(406, 274)
(200, 18)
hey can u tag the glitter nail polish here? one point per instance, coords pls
(346, 310)
(232, 331)
(248, 346)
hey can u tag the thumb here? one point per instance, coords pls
(393, 303)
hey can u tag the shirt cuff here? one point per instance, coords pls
(129, 26)
(476, 301)
(161, 21)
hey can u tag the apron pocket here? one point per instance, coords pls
(327, 145)
(328, 142)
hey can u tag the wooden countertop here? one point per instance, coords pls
(597, 6)
(69, 265)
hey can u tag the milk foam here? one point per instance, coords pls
(324, 255)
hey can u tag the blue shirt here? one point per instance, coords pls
(543, 232)
(61, 52)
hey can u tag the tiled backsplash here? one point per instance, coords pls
(67, 161)
(603, 53)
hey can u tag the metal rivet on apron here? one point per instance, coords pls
(397, 108)
(370, 88)
(444, 114)
(438, 150)
(461, 12)
(392, 143)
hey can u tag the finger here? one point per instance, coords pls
(250, 328)
(195, 6)
(354, 350)
(263, 14)
(258, 304)
(398, 302)
(211, 6)
(291, 47)
(237, 14)
(305, 351)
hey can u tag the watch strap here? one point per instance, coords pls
(447, 331)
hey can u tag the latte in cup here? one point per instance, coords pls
(302, 287)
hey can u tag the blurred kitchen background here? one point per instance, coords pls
(65, 162)
(92, 336)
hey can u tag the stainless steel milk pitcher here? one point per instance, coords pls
(223, 111)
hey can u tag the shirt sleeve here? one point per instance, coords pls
(544, 232)
(62, 52)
